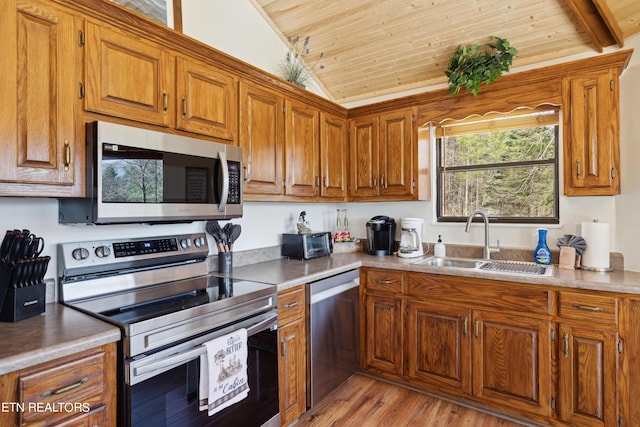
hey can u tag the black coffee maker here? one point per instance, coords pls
(381, 232)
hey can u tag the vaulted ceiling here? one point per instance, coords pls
(378, 47)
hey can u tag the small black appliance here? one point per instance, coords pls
(381, 232)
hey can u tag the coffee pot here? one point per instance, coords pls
(411, 237)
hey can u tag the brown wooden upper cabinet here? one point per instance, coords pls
(592, 133)
(207, 99)
(261, 134)
(134, 79)
(292, 150)
(41, 130)
(382, 156)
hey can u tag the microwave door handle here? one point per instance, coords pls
(225, 181)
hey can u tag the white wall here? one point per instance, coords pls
(236, 27)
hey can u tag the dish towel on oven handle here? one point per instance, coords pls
(223, 372)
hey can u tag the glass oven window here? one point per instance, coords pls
(138, 175)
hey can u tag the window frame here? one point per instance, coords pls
(441, 170)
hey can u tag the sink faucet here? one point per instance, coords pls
(486, 253)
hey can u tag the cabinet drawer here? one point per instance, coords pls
(69, 388)
(588, 307)
(385, 281)
(291, 305)
(481, 293)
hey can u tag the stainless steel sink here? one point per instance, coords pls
(493, 266)
(452, 262)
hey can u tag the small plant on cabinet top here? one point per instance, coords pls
(469, 66)
(295, 68)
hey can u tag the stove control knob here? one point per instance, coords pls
(80, 253)
(185, 243)
(199, 242)
(103, 251)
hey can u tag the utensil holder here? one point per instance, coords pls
(225, 262)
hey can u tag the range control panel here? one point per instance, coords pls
(107, 254)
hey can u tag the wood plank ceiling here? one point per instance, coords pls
(374, 48)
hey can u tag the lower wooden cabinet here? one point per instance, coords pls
(512, 361)
(384, 337)
(543, 353)
(292, 354)
(76, 390)
(438, 345)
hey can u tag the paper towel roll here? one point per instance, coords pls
(596, 234)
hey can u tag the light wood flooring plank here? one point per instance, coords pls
(368, 402)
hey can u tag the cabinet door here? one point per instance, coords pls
(262, 139)
(438, 345)
(383, 342)
(128, 77)
(363, 141)
(512, 362)
(292, 365)
(592, 135)
(207, 99)
(334, 151)
(302, 150)
(396, 153)
(587, 378)
(40, 127)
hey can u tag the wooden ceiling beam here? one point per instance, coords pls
(598, 22)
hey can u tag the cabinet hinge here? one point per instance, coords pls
(80, 90)
(413, 184)
(613, 173)
(553, 334)
(619, 420)
(284, 109)
(413, 119)
(611, 84)
(620, 346)
(553, 403)
(80, 38)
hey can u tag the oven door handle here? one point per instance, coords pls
(180, 358)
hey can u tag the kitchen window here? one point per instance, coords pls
(503, 164)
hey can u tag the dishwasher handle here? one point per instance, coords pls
(334, 290)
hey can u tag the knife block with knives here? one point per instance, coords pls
(22, 270)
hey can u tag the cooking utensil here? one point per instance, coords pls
(213, 228)
(236, 229)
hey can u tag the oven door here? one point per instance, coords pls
(162, 389)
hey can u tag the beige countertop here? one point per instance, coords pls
(62, 331)
(286, 273)
(58, 332)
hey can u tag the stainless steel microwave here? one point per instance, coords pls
(138, 175)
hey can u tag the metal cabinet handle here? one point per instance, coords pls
(184, 108)
(465, 323)
(66, 388)
(384, 282)
(284, 348)
(375, 182)
(477, 328)
(291, 305)
(165, 100)
(383, 183)
(67, 155)
(565, 337)
(578, 169)
(326, 182)
(587, 308)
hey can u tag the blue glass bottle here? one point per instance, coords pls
(542, 254)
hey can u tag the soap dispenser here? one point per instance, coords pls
(439, 250)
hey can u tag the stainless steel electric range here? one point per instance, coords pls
(159, 292)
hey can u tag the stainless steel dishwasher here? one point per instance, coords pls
(334, 338)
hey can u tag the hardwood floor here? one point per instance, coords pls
(366, 401)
